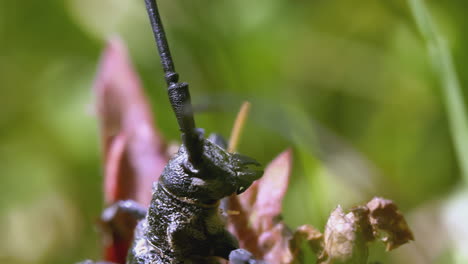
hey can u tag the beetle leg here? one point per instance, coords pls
(223, 244)
(219, 140)
(117, 226)
(127, 207)
(242, 256)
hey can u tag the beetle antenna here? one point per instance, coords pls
(179, 94)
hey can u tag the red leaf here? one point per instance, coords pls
(134, 152)
(116, 166)
(240, 227)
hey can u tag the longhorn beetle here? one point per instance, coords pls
(182, 224)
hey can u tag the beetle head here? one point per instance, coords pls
(220, 174)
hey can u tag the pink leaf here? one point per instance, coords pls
(276, 245)
(272, 188)
(257, 209)
(133, 150)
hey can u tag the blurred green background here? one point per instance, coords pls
(348, 84)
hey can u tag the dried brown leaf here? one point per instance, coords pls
(347, 235)
(388, 223)
(309, 234)
(343, 240)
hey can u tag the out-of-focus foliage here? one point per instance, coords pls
(455, 217)
(348, 84)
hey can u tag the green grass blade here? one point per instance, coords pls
(443, 65)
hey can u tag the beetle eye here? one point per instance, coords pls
(240, 190)
(244, 161)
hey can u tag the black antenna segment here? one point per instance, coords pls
(179, 95)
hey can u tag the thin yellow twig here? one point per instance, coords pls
(238, 126)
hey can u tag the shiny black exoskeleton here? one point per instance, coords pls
(183, 223)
